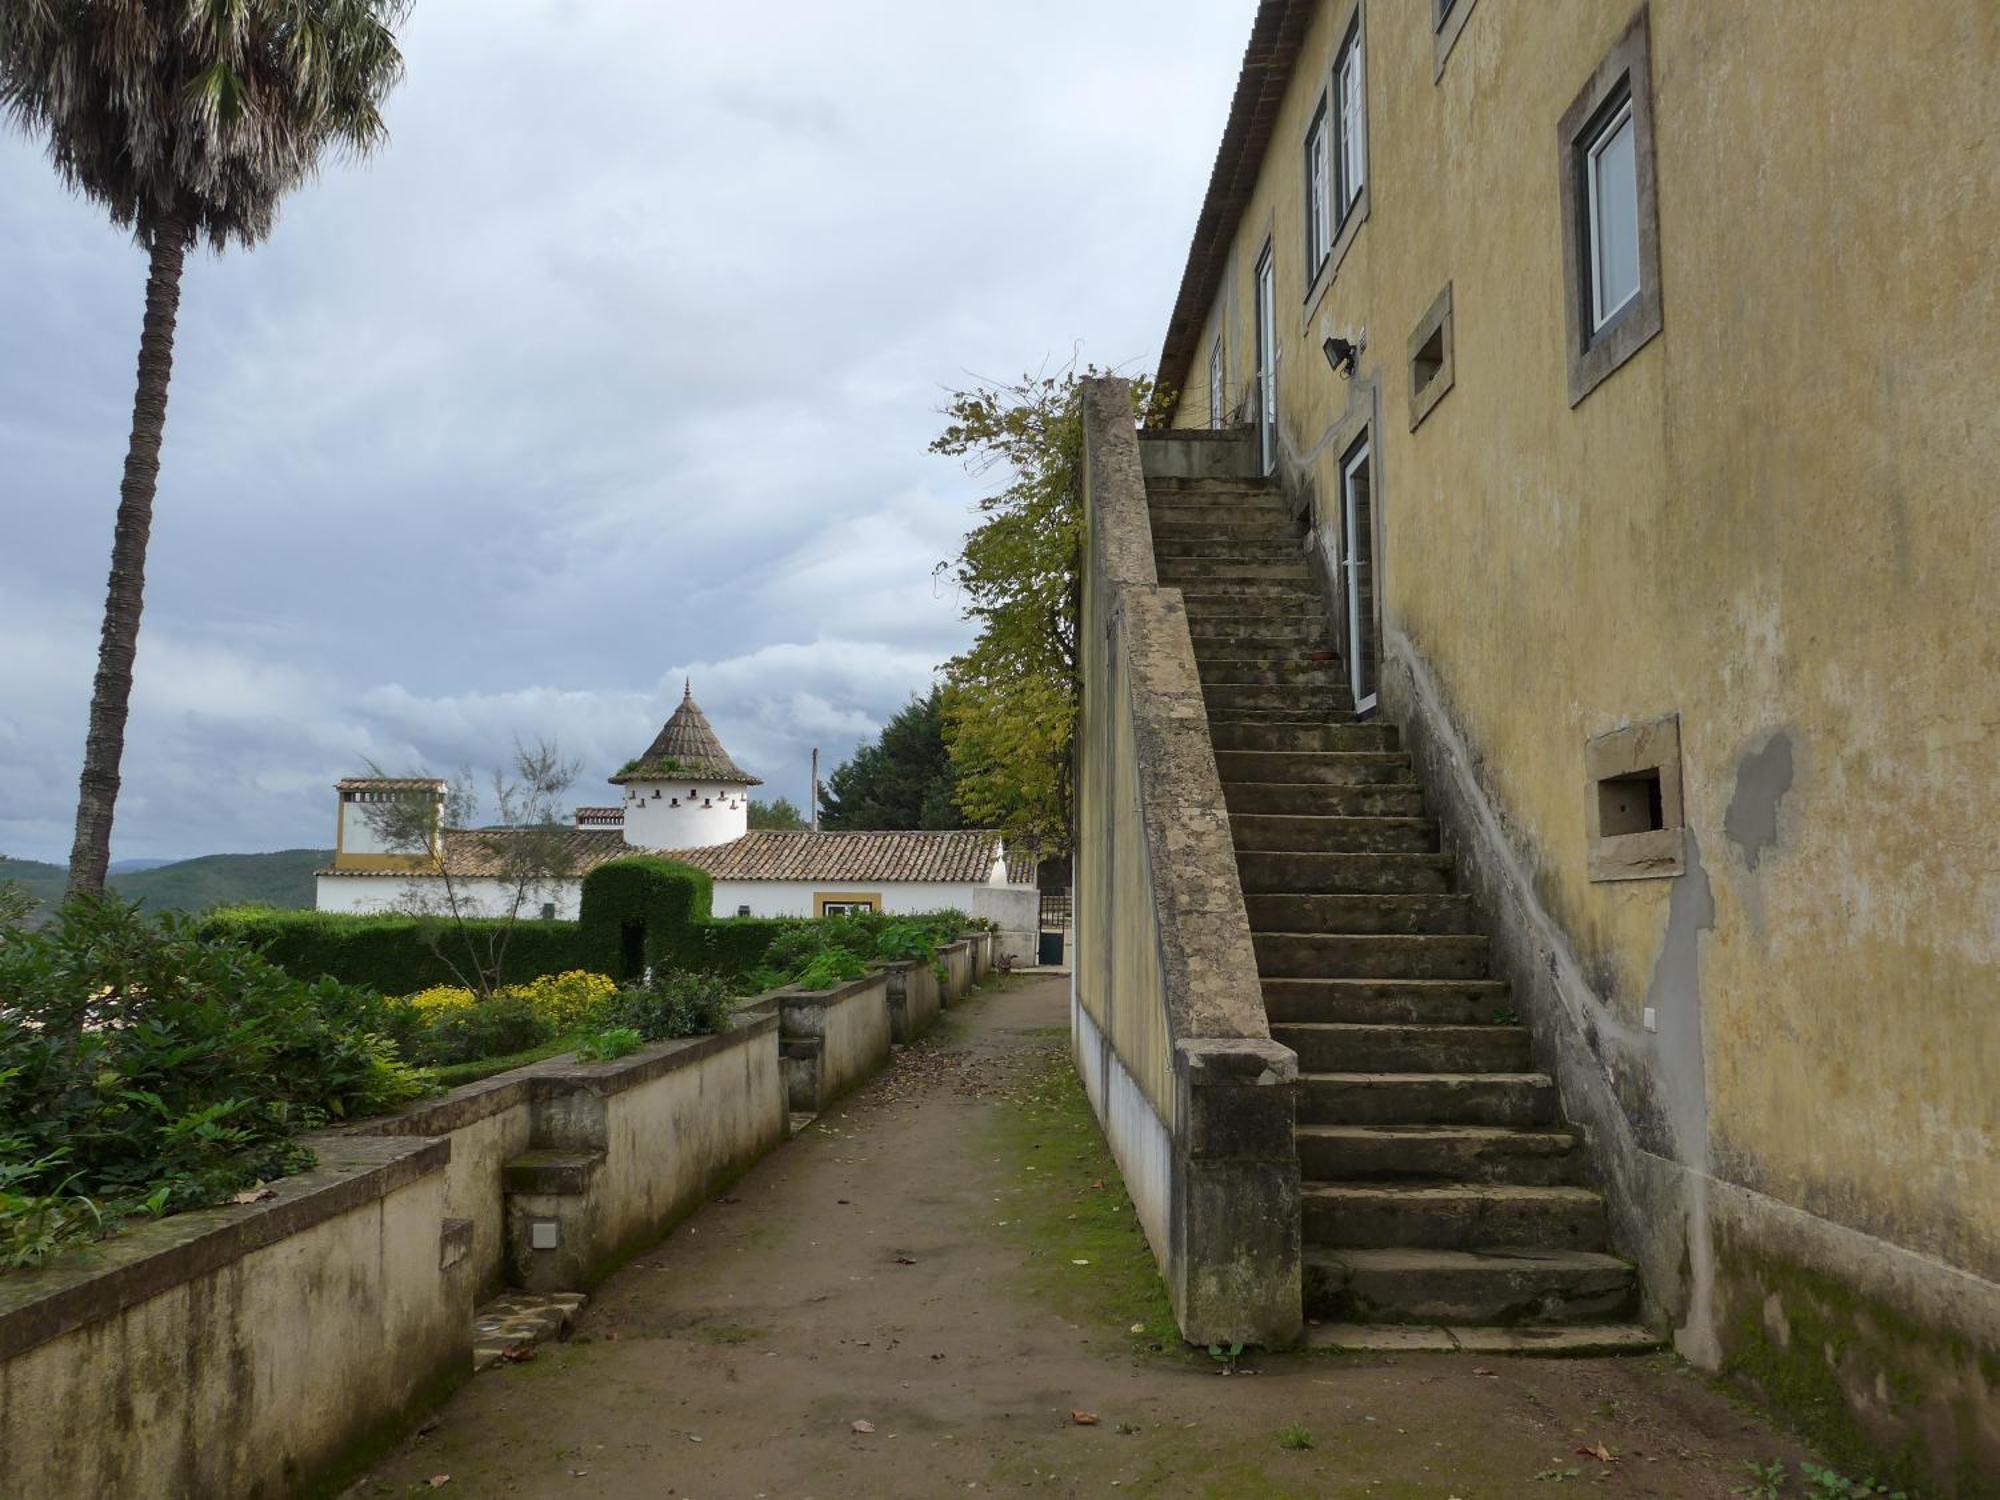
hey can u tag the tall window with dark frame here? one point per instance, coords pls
(1319, 192)
(1610, 212)
(1350, 119)
(1607, 161)
(1217, 397)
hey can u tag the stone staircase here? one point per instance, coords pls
(1444, 1200)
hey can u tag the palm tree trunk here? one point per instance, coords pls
(111, 695)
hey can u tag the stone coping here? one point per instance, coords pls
(1208, 965)
(487, 1097)
(833, 996)
(148, 1258)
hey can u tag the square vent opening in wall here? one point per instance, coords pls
(1633, 814)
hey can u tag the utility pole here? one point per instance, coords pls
(815, 790)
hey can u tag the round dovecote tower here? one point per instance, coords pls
(685, 792)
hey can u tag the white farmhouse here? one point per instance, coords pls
(684, 799)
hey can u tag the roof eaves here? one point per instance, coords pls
(1268, 61)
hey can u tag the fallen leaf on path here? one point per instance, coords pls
(1083, 1418)
(1601, 1453)
(1138, 1328)
(518, 1354)
(255, 1195)
(862, 1426)
(1481, 1370)
(906, 1260)
(439, 1481)
(1079, 1262)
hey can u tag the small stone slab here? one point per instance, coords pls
(801, 1118)
(1573, 1340)
(517, 1321)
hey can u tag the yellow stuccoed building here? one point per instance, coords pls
(1657, 498)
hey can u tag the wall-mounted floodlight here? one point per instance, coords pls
(1341, 354)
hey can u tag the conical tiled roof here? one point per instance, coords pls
(686, 748)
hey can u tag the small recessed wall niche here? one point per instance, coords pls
(1431, 358)
(1632, 802)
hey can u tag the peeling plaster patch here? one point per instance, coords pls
(1682, 1087)
(1763, 777)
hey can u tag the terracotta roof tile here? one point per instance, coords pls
(686, 746)
(769, 854)
(962, 855)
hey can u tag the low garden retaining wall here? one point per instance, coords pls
(958, 963)
(266, 1348)
(245, 1350)
(915, 997)
(832, 1039)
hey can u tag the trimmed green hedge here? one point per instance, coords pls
(636, 912)
(389, 953)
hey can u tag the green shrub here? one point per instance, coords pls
(619, 1041)
(145, 1065)
(509, 1022)
(392, 952)
(677, 1003)
(835, 966)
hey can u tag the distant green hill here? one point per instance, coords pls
(284, 878)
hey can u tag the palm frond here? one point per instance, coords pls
(199, 114)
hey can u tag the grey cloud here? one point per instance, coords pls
(619, 364)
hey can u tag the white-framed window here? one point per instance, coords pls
(1217, 396)
(1319, 191)
(1267, 360)
(1611, 182)
(1351, 119)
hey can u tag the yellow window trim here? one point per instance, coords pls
(869, 899)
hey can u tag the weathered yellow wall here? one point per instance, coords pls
(1780, 520)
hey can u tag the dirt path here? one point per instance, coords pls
(948, 1257)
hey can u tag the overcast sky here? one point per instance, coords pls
(617, 366)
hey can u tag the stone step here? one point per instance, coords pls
(1439, 1153)
(1278, 872)
(1266, 490)
(1496, 1286)
(1224, 512)
(1348, 912)
(1453, 1153)
(1557, 1341)
(1318, 834)
(1307, 631)
(1271, 669)
(1374, 955)
(1242, 595)
(1419, 1002)
(1254, 614)
(1302, 700)
(1452, 1216)
(1365, 1047)
(1181, 546)
(1426, 1099)
(1316, 767)
(1310, 799)
(1209, 574)
(1291, 715)
(1246, 734)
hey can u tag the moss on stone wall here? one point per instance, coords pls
(1879, 1392)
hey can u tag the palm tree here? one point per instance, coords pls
(187, 120)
